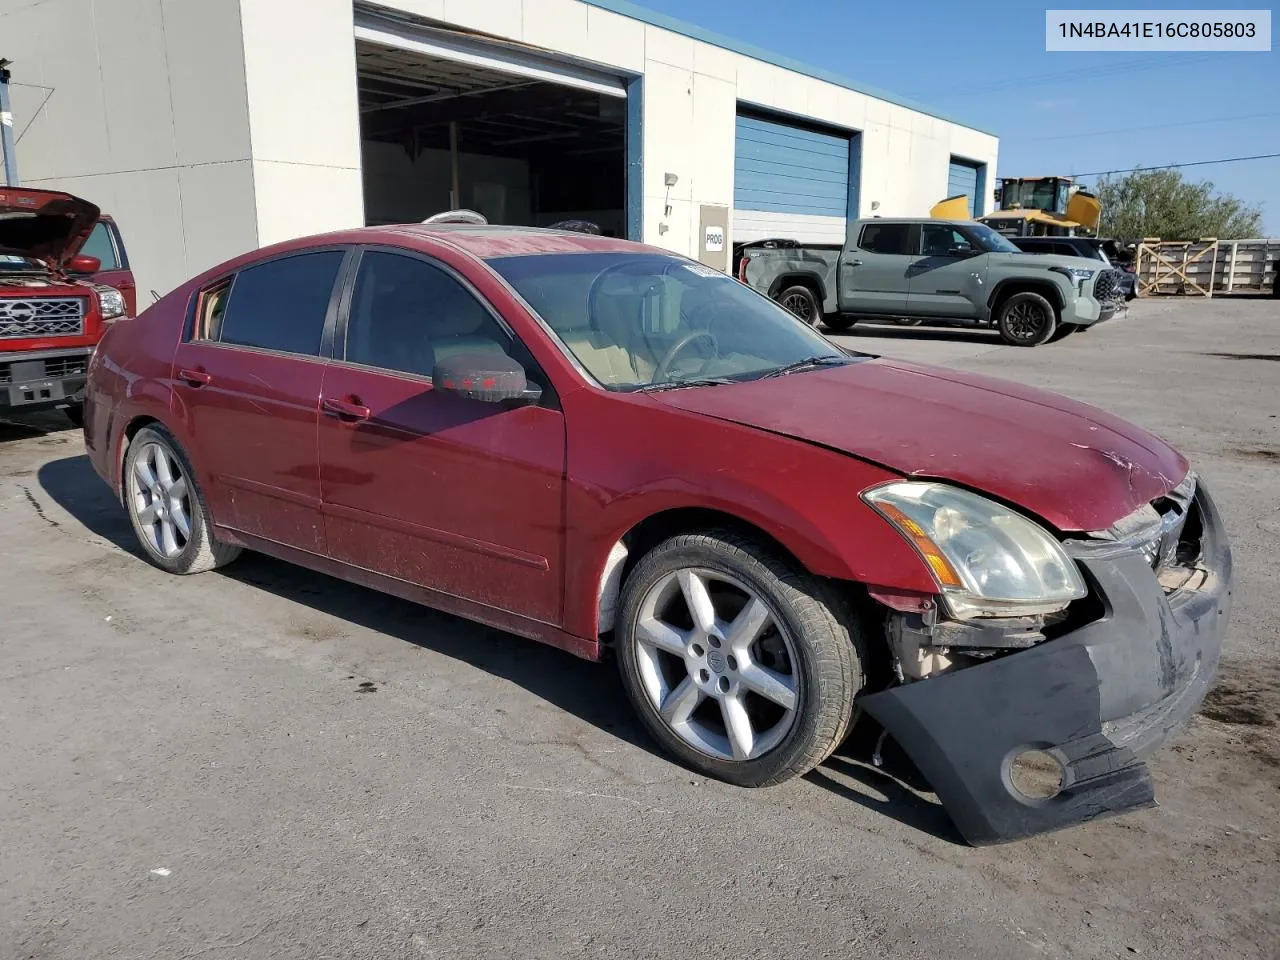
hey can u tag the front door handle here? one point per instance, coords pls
(853, 263)
(345, 409)
(195, 378)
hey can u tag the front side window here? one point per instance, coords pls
(886, 237)
(281, 304)
(636, 320)
(407, 315)
(940, 240)
(99, 245)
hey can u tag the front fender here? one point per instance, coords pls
(802, 496)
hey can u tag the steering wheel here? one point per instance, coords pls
(662, 373)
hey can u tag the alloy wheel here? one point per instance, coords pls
(1024, 320)
(160, 500)
(800, 305)
(716, 664)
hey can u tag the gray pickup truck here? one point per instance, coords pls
(942, 270)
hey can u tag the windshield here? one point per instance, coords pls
(1047, 194)
(637, 320)
(989, 240)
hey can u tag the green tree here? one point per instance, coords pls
(1160, 203)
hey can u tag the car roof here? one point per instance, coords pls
(483, 242)
(939, 220)
(493, 240)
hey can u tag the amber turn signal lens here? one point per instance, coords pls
(942, 570)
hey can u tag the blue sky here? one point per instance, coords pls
(985, 65)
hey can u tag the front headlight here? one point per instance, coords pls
(989, 560)
(1075, 273)
(110, 302)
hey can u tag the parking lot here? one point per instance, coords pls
(268, 763)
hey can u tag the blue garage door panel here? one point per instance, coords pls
(785, 169)
(963, 178)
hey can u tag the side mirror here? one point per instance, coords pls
(487, 377)
(84, 264)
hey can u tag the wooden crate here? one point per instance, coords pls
(1177, 267)
(1206, 267)
(1247, 266)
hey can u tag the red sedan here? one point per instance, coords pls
(602, 445)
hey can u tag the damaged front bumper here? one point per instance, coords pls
(1098, 699)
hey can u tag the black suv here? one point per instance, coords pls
(1108, 251)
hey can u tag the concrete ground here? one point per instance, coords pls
(268, 763)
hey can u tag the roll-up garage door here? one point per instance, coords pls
(963, 178)
(789, 181)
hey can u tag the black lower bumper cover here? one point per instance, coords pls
(28, 385)
(1099, 699)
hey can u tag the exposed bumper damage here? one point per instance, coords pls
(1098, 699)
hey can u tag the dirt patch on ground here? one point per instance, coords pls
(1261, 455)
(1245, 695)
(1246, 699)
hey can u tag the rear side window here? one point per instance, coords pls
(210, 309)
(99, 245)
(282, 304)
(885, 237)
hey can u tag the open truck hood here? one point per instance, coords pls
(1073, 465)
(45, 225)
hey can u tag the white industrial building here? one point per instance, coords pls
(209, 127)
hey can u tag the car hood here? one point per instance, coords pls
(45, 225)
(1073, 465)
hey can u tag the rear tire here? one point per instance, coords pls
(764, 695)
(1026, 319)
(839, 323)
(167, 509)
(75, 413)
(802, 303)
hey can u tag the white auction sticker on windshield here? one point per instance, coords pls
(701, 270)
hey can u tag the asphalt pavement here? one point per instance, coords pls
(264, 762)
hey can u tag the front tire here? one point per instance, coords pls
(1026, 319)
(166, 507)
(803, 303)
(75, 413)
(740, 663)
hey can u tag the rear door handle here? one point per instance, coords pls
(196, 378)
(345, 410)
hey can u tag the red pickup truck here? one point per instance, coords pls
(55, 299)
